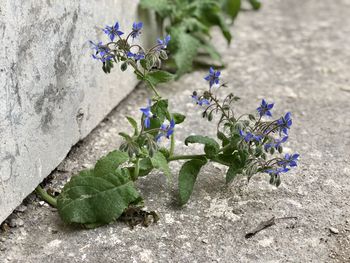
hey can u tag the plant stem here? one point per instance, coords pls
(172, 144)
(185, 157)
(153, 89)
(137, 168)
(45, 196)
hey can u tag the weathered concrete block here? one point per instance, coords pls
(52, 93)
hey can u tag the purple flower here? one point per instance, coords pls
(102, 52)
(289, 160)
(250, 136)
(284, 123)
(213, 77)
(148, 114)
(136, 29)
(277, 143)
(277, 171)
(166, 130)
(164, 43)
(199, 101)
(265, 108)
(113, 31)
(137, 56)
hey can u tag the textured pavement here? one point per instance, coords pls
(295, 53)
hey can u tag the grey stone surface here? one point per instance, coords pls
(51, 92)
(294, 53)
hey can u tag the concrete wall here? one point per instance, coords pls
(52, 94)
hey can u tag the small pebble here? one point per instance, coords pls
(21, 208)
(333, 230)
(205, 241)
(16, 222)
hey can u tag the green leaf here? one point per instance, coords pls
(256, 4)
(160, 162)
(157, 77)
(187, 178)
(110, 163)
(210, 13)
(162, 7)
(232, 7)
(133, 123)
(94, 200)
(232, 172)
(160, 110)
(211, 147)
(178, 118)
(185, 48)
(212, 51)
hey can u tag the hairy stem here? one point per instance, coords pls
(137, 168)
(153, 88)
(172, 144)
(45, 196)
(185, 157)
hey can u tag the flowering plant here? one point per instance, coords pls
(246, 144)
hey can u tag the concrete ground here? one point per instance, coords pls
(295, 53)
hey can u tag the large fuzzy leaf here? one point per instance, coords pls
(98, 196)
(187, 178)
(185, 48)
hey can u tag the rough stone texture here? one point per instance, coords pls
(51, 92)
(294, 53)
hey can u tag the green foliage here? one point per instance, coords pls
(133, 123)
(98, 196)
(231, 7)
(110, 162)
(162, 7)
(160, 110)
(160, 162)
(211, 147)
(187, 178)
(185, 48)
(256, 4)
(232, 172)
(157, 77)
(189, 23)
(178, 118)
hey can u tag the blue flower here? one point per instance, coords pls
(289, 160)
(148, 114)
(277, 171)
(277, 143)
(250, 136)
(265, 108)
(102, 52)
(200, 102)
(136, 29)
(284, 123)
(166, 130)
(213, 77)
(113, 31)
(137, 56)
(164, 43)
